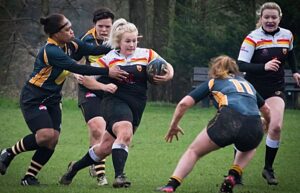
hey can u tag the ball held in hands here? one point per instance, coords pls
(156, 67)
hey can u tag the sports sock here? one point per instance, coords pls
(85, 161)
(174, 182)
(28, 143)
(235, 171)
(100, 168)
(272, 147)
(39, 159)
(119, 157)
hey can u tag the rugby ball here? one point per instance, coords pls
(156, 67)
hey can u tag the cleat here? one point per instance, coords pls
(102, 181)
(92, 171)
(165, 189)
(269, 176)
(67, 178)
(239, 180)
(228, 184)
(121, 182)
(5, 159)
(29, 180)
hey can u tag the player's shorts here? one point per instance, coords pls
(40, 112)
(116, 110)
(266, 93)
(231, 127)
(91, 107)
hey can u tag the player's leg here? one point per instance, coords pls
(276, 105)
(96, 126)
(93, 156)
(124, 133)
(46, 138)
(201, 146)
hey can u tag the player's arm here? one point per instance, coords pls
(91, 83)
(187, 102)
(84, 49)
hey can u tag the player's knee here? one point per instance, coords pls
(275, 129)
(47, 139)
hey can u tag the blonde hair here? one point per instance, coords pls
(120, 27)
(222, 67)
(267, 5)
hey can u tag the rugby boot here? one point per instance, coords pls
(5, 159)
(67, 178)
(228, 184)
(29, 180)
(269, 175)
(121, 182)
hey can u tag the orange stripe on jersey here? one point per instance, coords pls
(139, 59)
(283, 41)
(101, 63)
(41, 77)
(264, 42)
(249, 41)
(151, 55)
(115, 62)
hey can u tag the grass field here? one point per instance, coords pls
(151, 160)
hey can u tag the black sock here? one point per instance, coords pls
(173, 183)
(39, 159)
(270, 157)
(119, 157)
(84, 162)
(28, 143)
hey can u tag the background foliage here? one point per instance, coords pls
(185, 32)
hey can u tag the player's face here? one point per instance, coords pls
(270, 19)
(128, 43)
(66, 34)
(103, 27)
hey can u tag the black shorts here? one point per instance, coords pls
(91, 108)
(231, 127)
(266, 93)
(39, 110)
(115, 110)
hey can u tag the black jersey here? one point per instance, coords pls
(132, 90)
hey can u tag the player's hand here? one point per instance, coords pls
(272, 65)
(173, 131)
(111, 88)
(78, 78)
(296, 76)
(117, 73)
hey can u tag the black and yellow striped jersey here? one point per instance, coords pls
(54, 63)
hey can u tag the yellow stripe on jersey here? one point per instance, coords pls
(41, 77)
(93, 59)
(62, 77)
(220, 98)
(211, 83)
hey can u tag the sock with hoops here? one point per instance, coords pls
(28, 143)
(39, 159)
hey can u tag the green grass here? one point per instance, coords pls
(151, 160)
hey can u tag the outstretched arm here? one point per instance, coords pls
(181, 108)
